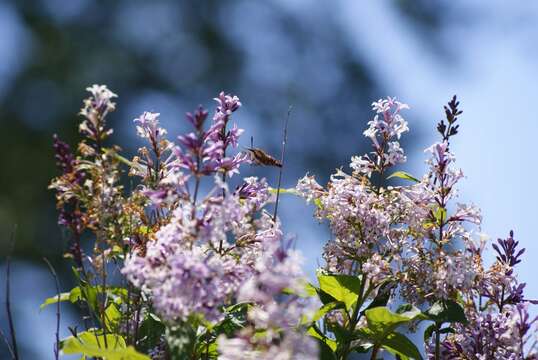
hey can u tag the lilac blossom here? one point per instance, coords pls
(384, 131)
(147, 127)
(191, 282)
(192, 250)
(95, 109)
(492, 335)
(276, 270)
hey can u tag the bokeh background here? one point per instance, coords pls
(328, 59)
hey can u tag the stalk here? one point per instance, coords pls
(284, 140)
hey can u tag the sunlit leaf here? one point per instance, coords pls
(403, 175)
(344, 288)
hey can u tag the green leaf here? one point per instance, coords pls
(112, 316)
(235, 319)
(73, 296)
(446, 311)
(344, 288)
(400, 345)
(54, 299)
(325, 352)
(90, 344)
(404, 308)
(315, 333)
(440, 215)
(404, 175)
(150, 332)
(207, 350)
(381, 321)
(310, 289)
(429, 332)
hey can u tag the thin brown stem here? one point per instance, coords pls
(8, 302)
(281, 168)
(104, 294)
(6, 340)
(375, 350)
(437, 343)
(137, 320)
(57, 283)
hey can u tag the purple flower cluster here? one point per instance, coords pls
(210, 271)
(206, 247)
(384, 131)
(278, 269)
(396, 232)
(187, 282)
(95, 110)
(499, 325)
(204, 152)
(70, 215)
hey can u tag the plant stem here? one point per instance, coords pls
(103, 314)
(375, 350)
(437, 343)
(57, 282)
(284, 140)
(8, 303)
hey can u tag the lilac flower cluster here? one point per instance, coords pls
(398, 232)
(69, 216)
(499, 325)
(384, 130)
(278, 316)
(95, 110)
(434, 267)
(210, 273)
(190, 282)
(204, 152)
(206, 248)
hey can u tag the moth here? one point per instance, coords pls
(260, 157)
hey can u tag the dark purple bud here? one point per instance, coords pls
(64, 158)
(507, 250)
(198, 118)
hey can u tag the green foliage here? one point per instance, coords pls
(380, 331)
(344, 288)
(441, 312)
(316, 333)
(381, 321)
(446, 311)
(400, 345)
(92, 344)
(150, 332)
(403, 175)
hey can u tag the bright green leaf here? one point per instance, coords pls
(54, 299)
(404, 175)
(90, 344)
(399, 344)
(112, 316)
(440, 215)
(381, 321)
(315, 333)
(446, 311)
(344, 288)
(73, 296)
(310, 289)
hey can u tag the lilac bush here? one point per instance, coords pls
(191, 261)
